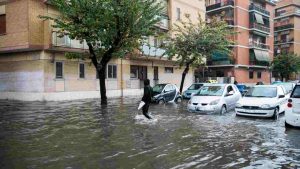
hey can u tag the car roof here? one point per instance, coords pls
(215, 84)
(266, 86)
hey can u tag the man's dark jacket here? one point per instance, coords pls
(147, 94)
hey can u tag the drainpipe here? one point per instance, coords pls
(122, 78)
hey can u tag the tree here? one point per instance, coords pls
(111, 28)
(193, 43)
(285, 64)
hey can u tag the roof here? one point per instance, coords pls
(215, 84)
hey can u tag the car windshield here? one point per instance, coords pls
(195, 87)
(262, 92)
(211, 91)
(158, 88)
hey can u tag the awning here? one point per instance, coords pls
(218, 56)
(259, 18)
(262, 56)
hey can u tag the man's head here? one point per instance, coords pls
(146, 82)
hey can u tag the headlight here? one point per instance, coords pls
(214, 102)
(265, 106)
(238, 105)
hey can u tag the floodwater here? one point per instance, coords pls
(82, 134)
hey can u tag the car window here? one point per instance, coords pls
(262, 92)
(230, 89)
(211, 91)
(168, 88)
(195, 86)
(296, 92)
(158, 88)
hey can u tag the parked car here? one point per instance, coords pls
(288, 86)
(163, 93)
(214, 98)
(211, 81)
(262, 101)
(242, 88)
(292, 113)
(193, 89)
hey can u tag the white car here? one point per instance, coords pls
(262, 101)
(292, 113)
(214, 98)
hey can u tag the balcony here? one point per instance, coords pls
(223, 4)
(255, 8)
(259, 28)
(257, 45)
(278, 26)
(164, 22)
(287, 40)
(287, 12)
(152, 51)
(66, 42)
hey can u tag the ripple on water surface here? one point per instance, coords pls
(82, 134)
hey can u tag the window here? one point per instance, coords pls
(259, 75)
(155, 73)
(134, 72)
(250, 74)
(178, 14)
(169, 70)
(111, 71)
(81, 70)
(2, 20)
(58, 70)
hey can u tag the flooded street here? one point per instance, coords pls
(81, 134)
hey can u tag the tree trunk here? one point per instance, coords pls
(101, 73)
(186, 70)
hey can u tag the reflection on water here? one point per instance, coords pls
(81, 134)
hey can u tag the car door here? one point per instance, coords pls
(173, 93)
(229, 97)
(168, 93)
(237, 95)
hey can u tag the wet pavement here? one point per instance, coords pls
(81, 134)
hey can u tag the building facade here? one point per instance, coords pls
(33, 65)
(253, 48)
(287, 28)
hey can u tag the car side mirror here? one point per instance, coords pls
(281, 96)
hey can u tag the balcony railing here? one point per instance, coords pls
(258, 63)
(288, 12)
(287, 24)
(254, 44)
(67, 42)
(152, 51)
(287, 40)
(219, 5)
(260, 27)
(253, 7)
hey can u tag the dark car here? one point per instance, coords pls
(163, 93)
(242, 88)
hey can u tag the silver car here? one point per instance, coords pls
(214, 98)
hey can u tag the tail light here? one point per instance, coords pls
(290, 105)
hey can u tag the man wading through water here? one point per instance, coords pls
(147, 97)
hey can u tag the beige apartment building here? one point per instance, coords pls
(287, 28)
(33, 64)
(252, 52)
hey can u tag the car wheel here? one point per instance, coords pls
(179, 100)
(161, 102)
(223, 110)
(276, 114)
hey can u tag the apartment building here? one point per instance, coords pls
(33, 65)
(287, 28)
(253, 48)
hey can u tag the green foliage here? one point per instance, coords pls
(111, 27)
(286, 64)
(195, 42)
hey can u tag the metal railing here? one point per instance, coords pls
(66, 41)
(259, 9)
(219, 5)
(288, 12)
(254, 44)
(152, 51)
(259, 27)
